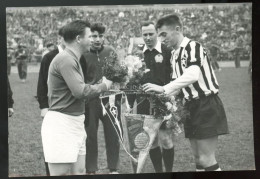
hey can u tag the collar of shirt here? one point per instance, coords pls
(157, 47)
(98, 50)
(72, 53)
(184, 43)
(60, 49)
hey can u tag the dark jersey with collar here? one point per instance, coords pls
(159, 65)
(91, 64)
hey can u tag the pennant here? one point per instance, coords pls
(141, 131)
(112, 106)
(136, 132)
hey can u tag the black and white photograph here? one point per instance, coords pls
(128, 89)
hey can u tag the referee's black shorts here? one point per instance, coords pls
(207, 118)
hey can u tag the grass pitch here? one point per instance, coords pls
(235, 151)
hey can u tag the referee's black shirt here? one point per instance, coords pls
(158, 61)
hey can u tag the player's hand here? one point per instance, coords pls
(107, 82)
(10, 112)
(43, 112)
(149, 87)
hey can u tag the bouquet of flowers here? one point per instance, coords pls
(138, 74)
(170, 108)
(114, 70)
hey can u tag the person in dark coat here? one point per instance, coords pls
(92, 68)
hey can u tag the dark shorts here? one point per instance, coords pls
(207, 118)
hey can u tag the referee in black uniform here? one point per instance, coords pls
(198, 82)
(157, 58)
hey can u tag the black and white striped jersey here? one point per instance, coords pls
(192, 53)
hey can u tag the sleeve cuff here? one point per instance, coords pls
(168, 89)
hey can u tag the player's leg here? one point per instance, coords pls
(112, 138)
(91, 126)
(207, 137)
(59, 169)
(166, 139)
(206, 151)
(78, 168)
(19, 68)
(24, 69)
(112, 144)
(194, 149)
(208, 120)
(155, 151)
(53, 144)
(156, 156)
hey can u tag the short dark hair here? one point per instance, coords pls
(99, 27)
(146, 23)
(73, 29)
(49, 45)
(169, 20)
(60, 33)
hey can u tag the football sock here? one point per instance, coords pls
(168, 158)
(199, 168)
(213, 168)
(156, 158)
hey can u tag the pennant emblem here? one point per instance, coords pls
(114, 111)
(141, 140)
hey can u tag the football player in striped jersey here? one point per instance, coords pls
(198, 82)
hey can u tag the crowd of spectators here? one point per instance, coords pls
(226, 26)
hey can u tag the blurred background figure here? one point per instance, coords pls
(22, 57)
(50, 46)
(214, 51)
(10, 56)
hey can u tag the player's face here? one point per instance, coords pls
(169, 35)
(97, 40)
(149, 35)
(85, 40)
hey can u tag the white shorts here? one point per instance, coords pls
(63, 137)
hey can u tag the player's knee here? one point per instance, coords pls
(167, 144)
(155, 145)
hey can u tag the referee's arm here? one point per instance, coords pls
(191, 73)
